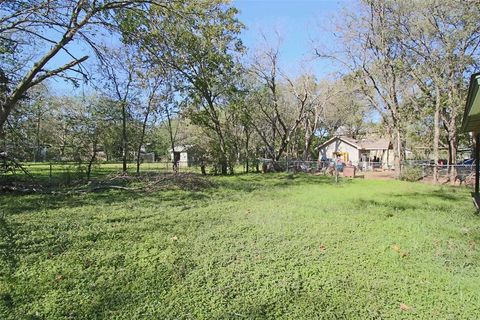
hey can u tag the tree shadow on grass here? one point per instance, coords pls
(175, 190)
(8, 261)
(110, 296)
(440, 199)
(253, 182)
(452, 194)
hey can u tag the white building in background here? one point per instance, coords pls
(364, 152)
(180, 154)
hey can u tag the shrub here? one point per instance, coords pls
(411, 174)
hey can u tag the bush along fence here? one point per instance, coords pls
(414, 170)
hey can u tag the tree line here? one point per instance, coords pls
(164, 73)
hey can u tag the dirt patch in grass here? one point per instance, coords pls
(380, 175)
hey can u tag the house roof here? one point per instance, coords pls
(377, 144)
(181, 148)
(471, 116)
(363, 144)
(348, 140)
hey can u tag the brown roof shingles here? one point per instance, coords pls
(379, 144)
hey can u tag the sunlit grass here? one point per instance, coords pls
(247, 246)
(71, 173)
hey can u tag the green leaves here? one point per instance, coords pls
(198, 42)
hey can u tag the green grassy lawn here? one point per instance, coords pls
(247, 246)
(70, 173)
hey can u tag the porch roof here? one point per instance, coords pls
(471, 116)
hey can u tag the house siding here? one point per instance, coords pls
(354, 154)
(338, 145)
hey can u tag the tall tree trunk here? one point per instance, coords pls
(223, 161)
(37, 138)
(436, 133)
(202, 167)
(92, 158)
(172, 140)
(142, 136)
(223, 150)
(452, 129)
(3, 138)
(398, 151)
(247, 153)
(452, 155)
(306, 145)
(124, 137)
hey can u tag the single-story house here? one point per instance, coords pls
(180, 155)
(361, 152)
(471, 123)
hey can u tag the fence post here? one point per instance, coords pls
(50, 174)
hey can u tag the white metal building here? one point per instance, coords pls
(180, 154)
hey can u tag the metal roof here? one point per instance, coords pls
(471, 116)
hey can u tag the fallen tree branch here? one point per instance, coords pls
(112, 187)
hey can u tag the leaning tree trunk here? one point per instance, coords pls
(172, 140)
(93, 158)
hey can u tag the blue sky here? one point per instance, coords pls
(300, 22)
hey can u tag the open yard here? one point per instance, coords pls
(247, 246)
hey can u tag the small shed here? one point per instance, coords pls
(471, 123)
(359, 151)
(180, 154)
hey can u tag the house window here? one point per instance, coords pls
(342, 155)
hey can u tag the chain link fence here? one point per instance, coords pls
(268, 165)
(425, 169)
(413, 169)
(69, 173)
